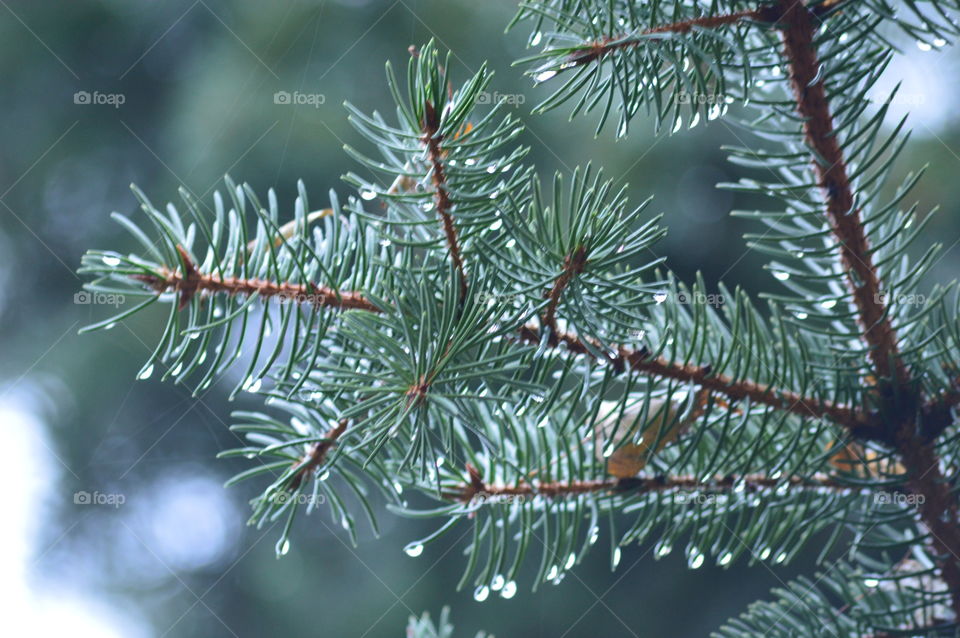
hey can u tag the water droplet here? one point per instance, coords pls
(871, 582)
(554, 571)
(481, 593)
(398, 487)
(255, 386)
(110, 326)
(440, 461)
(939, 42)
(544, 76)
(660, 297)
(511, 243)
(779, 275)
(765, 553)
(177, 369)
(367, 194)
(617, 555)
(491, 169)
(413, 550)
(571, 559)
(218, 312)
(782, 556)
(594, 535)
(695, 120)
(146, 372)
(844, 37)
(801, 315)
(662, 548)
(829, 303)
(725, 558)
(677, 124)
(470, 161)
(535, 40)
(923, 46)
(509, 590)
(497, 225)
(283, 547)
(497, 583)
(385, 242)
(714, 112)
(622, 130)
(324, 475)
(695, 561)
(111, 261)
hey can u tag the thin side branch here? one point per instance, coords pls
(441, 198)
(573, 265)
(190, 282)
(317, 455)
(477, 489)
(641, 361)
(601, 48)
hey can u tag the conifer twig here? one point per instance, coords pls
(749, 483)
(431, 126)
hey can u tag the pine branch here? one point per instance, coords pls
(597, 50)
(561, 489)
(937, 508)
(831, 171)
(320, 297)
(191, 281)
(317, 455)
(432, 140)
(735, 390)
(573, 265)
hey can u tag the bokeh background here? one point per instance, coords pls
(197, 80)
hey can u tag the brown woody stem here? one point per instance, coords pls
(799, 29)
(937, 507)
(432, 140)
(317, 455)
(573, 265)
(640, 361)
(190, 282)
(596, 50)
(193, 282)
(560, 489)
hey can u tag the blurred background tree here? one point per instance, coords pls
(197, 82)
